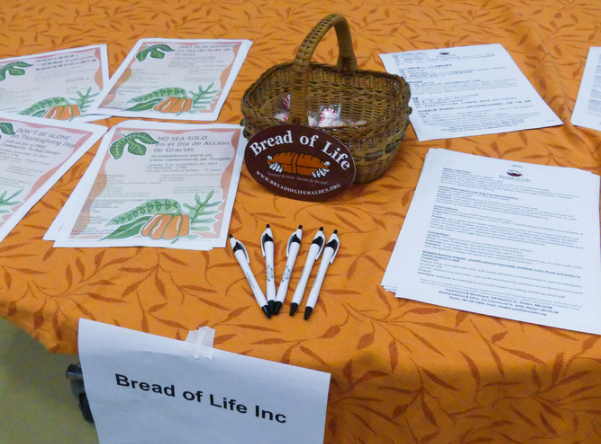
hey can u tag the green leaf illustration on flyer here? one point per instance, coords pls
(174, 79)
(61, 108)
(175, 100)
(13, 69)
(133, 142)
(165, 219)
(7, 202)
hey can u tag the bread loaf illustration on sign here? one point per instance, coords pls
(295, 163)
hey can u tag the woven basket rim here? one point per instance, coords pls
(386, 113)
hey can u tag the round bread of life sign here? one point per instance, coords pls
(300, 162)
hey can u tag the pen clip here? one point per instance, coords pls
(319, 240)
(267, 236)
(295, 237)
(333, 242)
(240, 246)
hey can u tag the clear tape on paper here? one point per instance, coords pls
(201, 342)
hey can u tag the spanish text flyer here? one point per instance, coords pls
(155, 184)
(174, 79)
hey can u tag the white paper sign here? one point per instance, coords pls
(468, 91)
(587, 111)
(146, 389)
(502, 238)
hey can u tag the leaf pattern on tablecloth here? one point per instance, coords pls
(402, 371)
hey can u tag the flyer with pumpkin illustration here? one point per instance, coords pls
(174, 79)
(156, 184)
(58, 85)
(33, 157)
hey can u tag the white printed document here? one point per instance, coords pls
(59, 85)
(502, 238)
(147, 389)
(34, 155)
(468, 91)
(587, 111)
(174, 79)
(158, 185)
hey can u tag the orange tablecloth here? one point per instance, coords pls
(402, 371)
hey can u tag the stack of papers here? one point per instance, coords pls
(502, 238)
(157, 185)
(151, 184)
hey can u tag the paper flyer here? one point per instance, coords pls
(587, 110)
(155, 184)
(468, 91)
(34, 154)
(174, 79)
(59, 85)
(508, 239)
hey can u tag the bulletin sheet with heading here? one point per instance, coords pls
(587, 110)
(502, 238)
(468, 91)
(155, 184)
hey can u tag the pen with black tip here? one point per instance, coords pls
(314, 252)
(267, 248)
(291, 253)
(329, 253)
(244, 261)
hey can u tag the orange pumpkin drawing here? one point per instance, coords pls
(63, 112)
(174, 105)
(167, 226)
(295, 163)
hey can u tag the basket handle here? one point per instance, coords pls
(347, 63)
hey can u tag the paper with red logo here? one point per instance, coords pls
(468, 91)
(502, 238)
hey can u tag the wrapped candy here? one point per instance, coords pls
(328, 116)
(282, 115)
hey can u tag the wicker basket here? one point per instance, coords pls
(378, 100)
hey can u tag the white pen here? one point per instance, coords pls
(329, 253)
(244, 261)
(291, 253)
(267, 248)
(314, 252)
